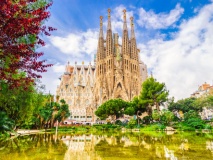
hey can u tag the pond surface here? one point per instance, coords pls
(109, 146)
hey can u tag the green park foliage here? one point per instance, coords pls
(114, 108)
(153, 93)
(185, 105)
(29, 108)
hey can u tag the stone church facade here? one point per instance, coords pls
(118, 73)
(76, 88)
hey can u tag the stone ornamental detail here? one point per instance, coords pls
(76, 89)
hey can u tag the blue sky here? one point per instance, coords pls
(175, 38)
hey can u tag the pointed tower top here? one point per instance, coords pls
(124, 14)
(125, 24)
(109, 21)
(67, 67)
(101, 23)
(108, 10)
(132, 28)
(101, 27)
(132, 24)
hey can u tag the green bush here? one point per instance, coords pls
(147, 119)
(118, 122)
(132, 123)
(207, 126)
(6, 124)
(191, 114)
(154, 127)
(184, 127)
(196, 123)
(106, 126)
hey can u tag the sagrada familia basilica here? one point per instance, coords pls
(117, 72)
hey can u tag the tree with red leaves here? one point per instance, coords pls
(21, 23)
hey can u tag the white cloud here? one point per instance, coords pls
(184, 62)
(149, 19)
(58, 68)
(51, 78)
(77, 44)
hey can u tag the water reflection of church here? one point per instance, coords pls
(81, 147)
(91, 147)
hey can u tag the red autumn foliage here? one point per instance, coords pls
(20, 27)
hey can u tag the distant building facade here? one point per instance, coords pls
(118, 73)
(203, 90)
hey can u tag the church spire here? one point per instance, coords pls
(125, 37)
(109, 20)
(132, 28)
(125, 24)
(100, 51)
(109, 40)
(134, 51)
(101, 27)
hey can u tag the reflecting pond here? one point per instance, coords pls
(109, 146)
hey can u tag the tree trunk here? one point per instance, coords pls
(113, 118)
(138, 117)
(157, 106)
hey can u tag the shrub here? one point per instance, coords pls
(207, 126)
(6, 124)
(184, 127)
(154, 127)
(191, 114)
(132, 123)
(118, 122)
(147, 119)
(196, 123)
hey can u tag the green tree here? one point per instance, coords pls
(135, 108)
(193, 119)
(132, 123)
(46, 115)
(63, 111)
(166, 116)
(52, 112)
(209, 100)
(206, 101)
(185, 105)
(113, 107)
(39, 101)
(17, 103)
(6, 124)
(156, 115)
(153, 93)
(191, 114)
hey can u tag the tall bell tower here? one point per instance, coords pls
(118, 73)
